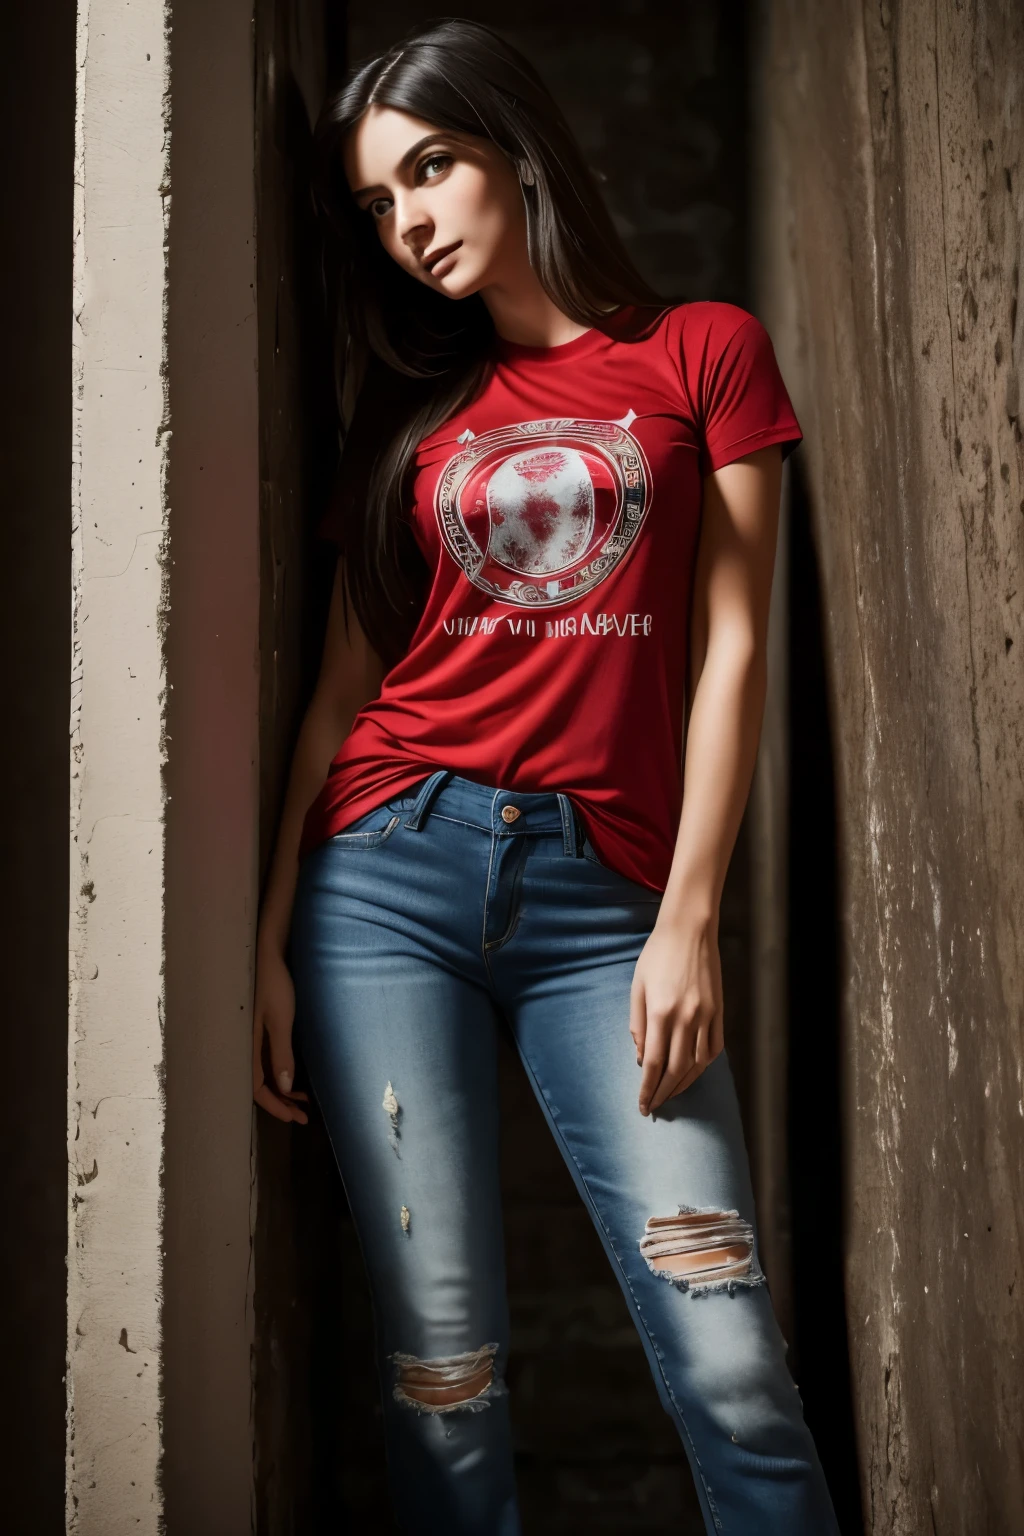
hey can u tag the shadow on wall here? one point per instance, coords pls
(819, 1353)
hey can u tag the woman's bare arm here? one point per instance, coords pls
(676, 1005)
(351, 673)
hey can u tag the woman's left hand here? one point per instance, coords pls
(675, 1008)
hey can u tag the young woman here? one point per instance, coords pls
(557, 520)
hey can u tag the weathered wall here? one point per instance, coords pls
(120, 553)
(164, 771)
(892, 200)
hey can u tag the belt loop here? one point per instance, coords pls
(570, 840)
(425, 798)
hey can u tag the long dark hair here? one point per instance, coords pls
(418, 355)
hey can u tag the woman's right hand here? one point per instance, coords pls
(273, 1065)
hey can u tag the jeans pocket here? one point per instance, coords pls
(644, 892)
(590, 852)
(370, 830)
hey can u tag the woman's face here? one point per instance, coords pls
(447, 207)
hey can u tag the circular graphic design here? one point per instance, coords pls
(538, 514)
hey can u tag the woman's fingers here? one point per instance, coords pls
(655, 1059)
(684, 1082)
(710, 1043)
(282, 1062)
(680, 1063)
(272, 1089)
(676, 1016)
(281, 1109)
(716, 1035)
(692, 1047)
(638, 1018)
(283, 1106)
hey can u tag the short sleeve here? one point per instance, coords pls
(744, 402)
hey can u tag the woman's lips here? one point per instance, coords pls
(440, 263)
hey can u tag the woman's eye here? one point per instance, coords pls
(438, 162)
(379, 207)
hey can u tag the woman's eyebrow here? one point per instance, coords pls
(406, 161)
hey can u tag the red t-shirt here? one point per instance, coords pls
(559, 516)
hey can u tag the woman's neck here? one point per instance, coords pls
(524, 314)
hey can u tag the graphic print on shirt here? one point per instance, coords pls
(539, 513)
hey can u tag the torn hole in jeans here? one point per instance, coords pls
(701, 1249)
(449, 1383)
(393, 1110)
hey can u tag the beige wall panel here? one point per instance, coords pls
(116, 941)
(892, 189)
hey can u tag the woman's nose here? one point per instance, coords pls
(412, 223)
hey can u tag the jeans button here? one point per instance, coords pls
(509, 812)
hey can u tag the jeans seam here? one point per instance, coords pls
(487, 897)
(539, 1088)
(476, 825)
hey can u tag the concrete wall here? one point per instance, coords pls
(120, 565)
(891, 180)
(164, 771)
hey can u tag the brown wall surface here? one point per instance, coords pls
(891, 189)
(211, 774)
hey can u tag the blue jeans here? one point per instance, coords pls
(412, 931)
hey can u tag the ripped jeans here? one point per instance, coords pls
(412, 931)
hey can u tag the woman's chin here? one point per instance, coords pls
(457, 285)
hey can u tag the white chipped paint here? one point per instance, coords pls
(115, 1109)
